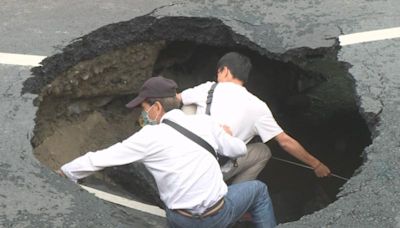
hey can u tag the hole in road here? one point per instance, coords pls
(81, 105)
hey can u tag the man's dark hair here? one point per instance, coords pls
(238, 64)
(168, 103)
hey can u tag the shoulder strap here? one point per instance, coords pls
(210, 97)
(191, 136)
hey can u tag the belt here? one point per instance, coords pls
(209, 212)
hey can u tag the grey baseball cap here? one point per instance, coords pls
(154, 87)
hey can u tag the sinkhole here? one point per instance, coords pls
(82, 92)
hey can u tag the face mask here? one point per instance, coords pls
(145, 119)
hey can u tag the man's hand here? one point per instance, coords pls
(61, 173)
(321, 170)
(179, 97)
(227, 129)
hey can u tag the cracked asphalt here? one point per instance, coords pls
(31, 195)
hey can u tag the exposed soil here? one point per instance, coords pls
(76, 136)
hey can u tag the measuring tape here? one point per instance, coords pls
(307, 167)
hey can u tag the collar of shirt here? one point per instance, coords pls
(172, 115)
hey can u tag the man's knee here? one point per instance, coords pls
(260, 187)
(260, 150)
(263, 189)
(260, 184)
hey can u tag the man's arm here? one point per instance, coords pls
(132, 149)
(227, 144)
(294, 148)
(196, 95)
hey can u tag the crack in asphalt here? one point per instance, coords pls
(7, 93)
(151, 13)
(246, 22)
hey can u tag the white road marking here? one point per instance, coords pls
(20, 59)
(126, 202)
(349, 39)
(375, 35)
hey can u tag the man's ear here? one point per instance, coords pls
(158, 106)
(160, 111)
(225, 71)
(228, 73)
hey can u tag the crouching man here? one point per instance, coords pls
(188, 176)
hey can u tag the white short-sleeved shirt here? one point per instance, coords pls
(187, 175)
(237, 108)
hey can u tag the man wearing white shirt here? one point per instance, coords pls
(247, 116)
(188, 176)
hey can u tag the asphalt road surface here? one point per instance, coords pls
(31, 195)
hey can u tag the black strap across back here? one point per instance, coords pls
(197, 139)
(210, 97)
